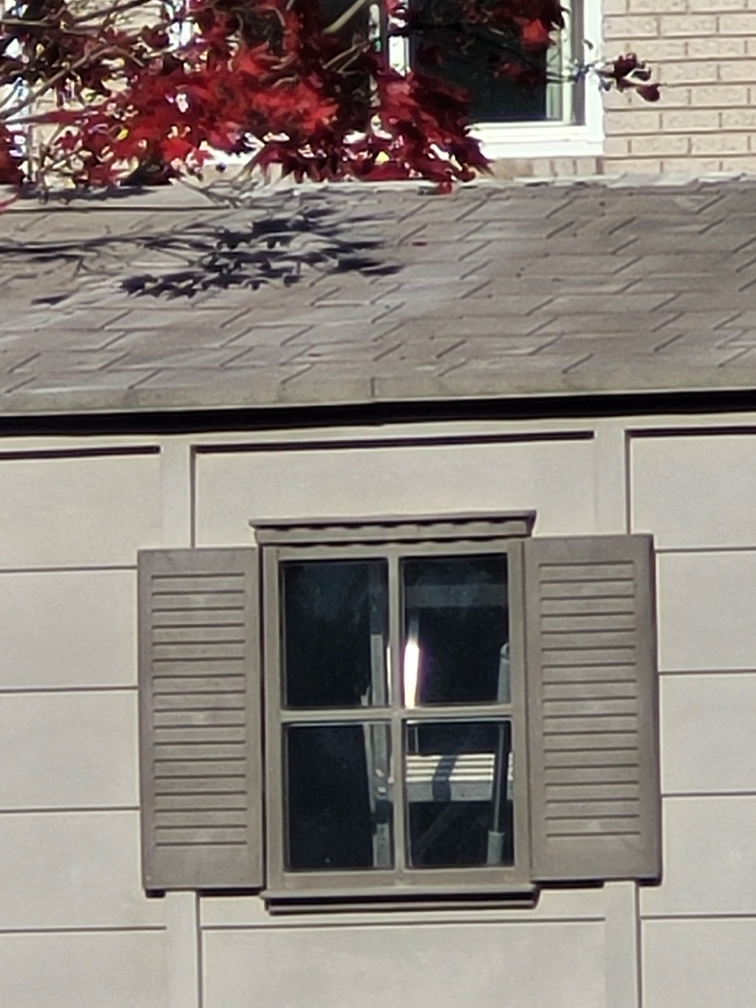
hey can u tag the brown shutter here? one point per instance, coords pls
(592, 708)
(200, 722)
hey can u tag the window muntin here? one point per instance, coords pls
(408, 831)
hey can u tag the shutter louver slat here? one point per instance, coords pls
(592, 708)
(200, 719)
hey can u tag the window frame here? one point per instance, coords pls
(399, 880)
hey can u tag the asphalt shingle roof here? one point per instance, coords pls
(376, 294)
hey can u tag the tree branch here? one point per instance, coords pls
(346, 17)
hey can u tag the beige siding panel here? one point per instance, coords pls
(708, 740)
(706, 613)
(709, 857)
(72, 869)
(698, 963)
(68, 750)
(68, 628)
(555, 478)
(695, 490)
(107, 970)
(444, 966)
(77, 511)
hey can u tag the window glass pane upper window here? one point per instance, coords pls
(456, 632)
(334, 633)
(458, 785)
(435, 50)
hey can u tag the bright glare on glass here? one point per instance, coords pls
(456, 630)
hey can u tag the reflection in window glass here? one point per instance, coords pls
(456, 645)
(334, 632)
(338, 796)
(458, 779)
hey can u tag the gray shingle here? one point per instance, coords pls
(496, 290)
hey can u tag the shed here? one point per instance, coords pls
(375, 583)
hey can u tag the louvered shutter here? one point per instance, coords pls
(592, 708)
(200, 720)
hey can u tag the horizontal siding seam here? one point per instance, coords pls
(84, 929)
(66, 809)
(312, 922)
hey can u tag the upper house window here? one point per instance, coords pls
(451, 710)
(494, 98)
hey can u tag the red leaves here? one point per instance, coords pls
(10, 159)
(263, 78)
(534, 34)
(629, 73)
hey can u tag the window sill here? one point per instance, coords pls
(541, 140)
(523, 896)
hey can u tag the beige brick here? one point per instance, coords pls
(655, 50)
(615, 146)
(689, 120)
(738, 24)
(614, 7)
(737, 70)
(719, 143)
(718, 94)
(572, 166)
(717, 47)
(702, 6)
(691, 166)
(744, 164)
(686, 24)
(661, 144)
(630, 27)
(657, 6)
(689, 72)
(618, 166)
(675, 96)
(618, 123)
(619, 100)
(743, 118)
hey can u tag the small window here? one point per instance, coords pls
(402, 711)
(396, 707)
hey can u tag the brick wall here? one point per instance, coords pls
(704, 52)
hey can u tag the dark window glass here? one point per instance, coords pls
(338, 796)
(458, 780)
(435, 49)
(334, 632)
(456, 633)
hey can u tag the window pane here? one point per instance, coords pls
(456, 643)
(334, 615)
(338, 796)
(458, 779)
(436, 50)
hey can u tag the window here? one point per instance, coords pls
(452, 711)
(560, 119)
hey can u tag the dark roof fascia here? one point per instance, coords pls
(584, 406)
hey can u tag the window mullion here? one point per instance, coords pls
(395, 696)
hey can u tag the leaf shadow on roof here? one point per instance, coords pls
(279, 240)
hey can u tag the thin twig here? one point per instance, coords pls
(346, 17)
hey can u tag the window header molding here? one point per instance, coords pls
(326, 531)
